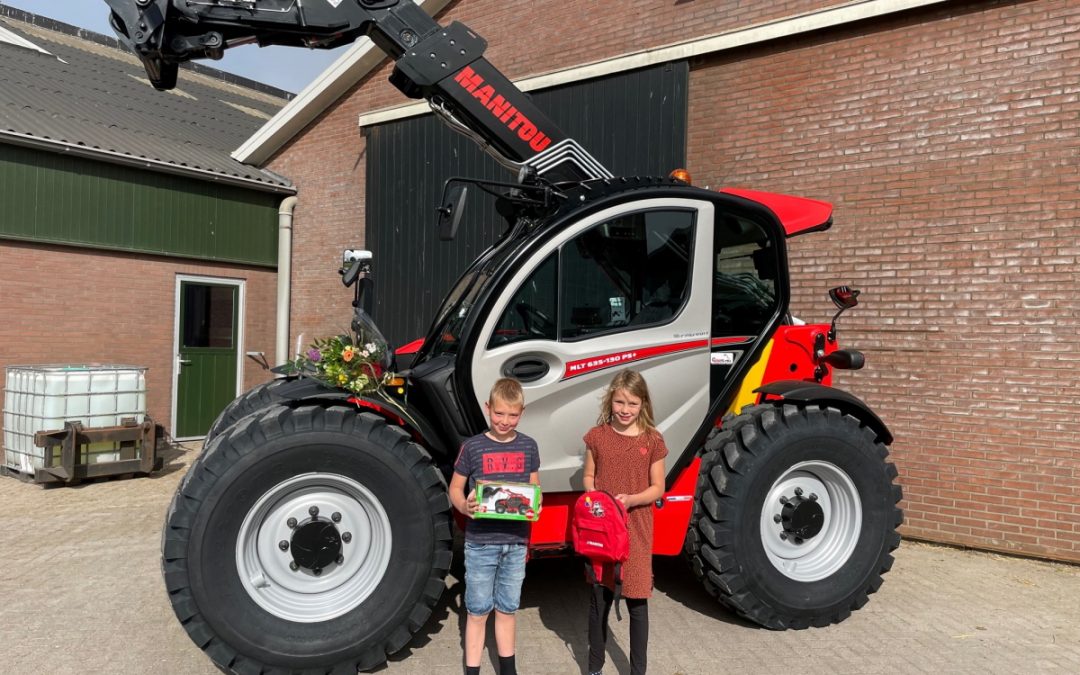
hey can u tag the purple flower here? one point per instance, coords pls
(314, 354)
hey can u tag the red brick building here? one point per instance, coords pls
(946, 133)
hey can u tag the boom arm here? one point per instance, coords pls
(444, 65)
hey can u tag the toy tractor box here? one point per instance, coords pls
(508, 501)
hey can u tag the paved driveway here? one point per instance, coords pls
(80, 592)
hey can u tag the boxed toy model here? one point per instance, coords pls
(508, 501)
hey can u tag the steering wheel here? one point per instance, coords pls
(536, 322)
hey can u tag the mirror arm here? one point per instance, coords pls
(831, 337)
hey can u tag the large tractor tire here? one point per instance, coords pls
(262, 396)
(795, 515)
(307, 540)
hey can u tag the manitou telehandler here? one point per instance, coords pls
(314, 532)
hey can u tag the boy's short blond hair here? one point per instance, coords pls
(507, 390)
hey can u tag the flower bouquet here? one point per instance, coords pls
(344, 361)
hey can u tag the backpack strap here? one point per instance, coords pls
(618, 590)
(594, 574)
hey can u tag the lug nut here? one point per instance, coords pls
(294, 566)
(317, 571)
(798, 540)
(314, 511)
(346, 537)
(813, 497)
(798, 492)
(283, 545)
(291, 522)
(776, 518)
(783, 499)
(336, 517)
(783, 535)
(340, 559)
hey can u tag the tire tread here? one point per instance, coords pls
(244, 436)
(727, 462)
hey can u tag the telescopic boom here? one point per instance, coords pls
(443, 65)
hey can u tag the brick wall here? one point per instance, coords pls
(50, 314)
(947, 138)
(949, 141)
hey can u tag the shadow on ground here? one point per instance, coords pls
(672, 575)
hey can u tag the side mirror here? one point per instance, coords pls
(354, 262)
(450, 212)
(349, 274)
(844, 297)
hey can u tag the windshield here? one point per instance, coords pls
(445, 336)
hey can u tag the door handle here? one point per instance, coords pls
(526, 370)
(183, 362)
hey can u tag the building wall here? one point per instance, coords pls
(947, 137)
(949, 141)
(50, 314)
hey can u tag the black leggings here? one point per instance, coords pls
(598, 630)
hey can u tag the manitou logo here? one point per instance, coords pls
(502, 109)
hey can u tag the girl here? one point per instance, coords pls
(624, 455)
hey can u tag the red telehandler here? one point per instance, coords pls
(314, 532)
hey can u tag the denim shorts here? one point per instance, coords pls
(493, 576)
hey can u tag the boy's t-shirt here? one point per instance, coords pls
(484, 459)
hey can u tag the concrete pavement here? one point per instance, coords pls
(81, 592)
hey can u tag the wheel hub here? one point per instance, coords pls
(315, 545)
(802, 517)
(811, 520)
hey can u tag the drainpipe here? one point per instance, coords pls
(284, 279)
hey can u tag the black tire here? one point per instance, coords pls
(500, 507)
(757, 566)
(253, 466)
(260, 397)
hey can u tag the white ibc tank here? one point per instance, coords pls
(42, 398)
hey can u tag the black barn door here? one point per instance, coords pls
(634, 123)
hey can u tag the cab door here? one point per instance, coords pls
(628, 287)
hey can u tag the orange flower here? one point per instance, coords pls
(347, 354)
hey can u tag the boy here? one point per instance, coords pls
(494, 549)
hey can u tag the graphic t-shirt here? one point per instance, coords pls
(484, 459)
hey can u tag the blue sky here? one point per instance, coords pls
(288, 68)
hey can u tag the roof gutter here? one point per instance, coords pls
(64, 147)
(800, 24)
(331, 85)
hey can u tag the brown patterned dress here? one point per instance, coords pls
(622, 467)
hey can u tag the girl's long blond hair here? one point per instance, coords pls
(632, 382)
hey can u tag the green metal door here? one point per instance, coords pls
(206, 379)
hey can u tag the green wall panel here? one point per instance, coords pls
(56, 198)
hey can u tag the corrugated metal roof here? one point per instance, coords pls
(85, 91)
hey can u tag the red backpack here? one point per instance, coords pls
(599, 532)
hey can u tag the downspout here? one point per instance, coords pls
(284, 279)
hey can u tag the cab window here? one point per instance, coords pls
(744, 277)
(629, 272)
(531, 312)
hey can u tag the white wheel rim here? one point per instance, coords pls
(301, 595)
(826, 552)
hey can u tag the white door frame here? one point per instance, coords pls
(241, 286)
